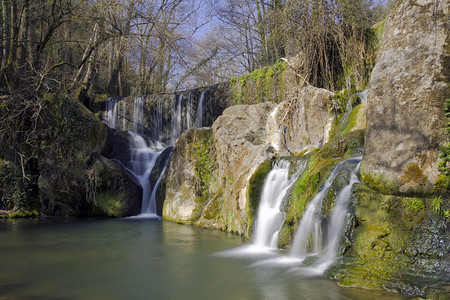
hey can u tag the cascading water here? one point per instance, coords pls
(315, 237)
(363, 95)
(337, 221)
(143, 158)
(309, 238)
(111, 112)
(270, 217)
(145, 152)
(199, 116)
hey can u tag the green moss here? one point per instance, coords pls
(413, 205)
(23, 214)
(204, 156)
(261, 85)
(442, 185)
(395, 244)
(255, 185)
(413, 173)
(379, 182)
(352, 121)
(109, 203)
(304, 189)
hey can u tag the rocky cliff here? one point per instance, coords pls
(406, 103)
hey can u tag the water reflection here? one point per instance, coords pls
(141, 259)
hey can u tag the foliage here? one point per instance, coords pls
(261, 85)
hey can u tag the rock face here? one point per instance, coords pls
(308, 117)
(208, 174)
(114, 192)
(69, 175)
(243, 140)
(399, 243)
(188, 177)
(408, 88)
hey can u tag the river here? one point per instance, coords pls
(143, 259)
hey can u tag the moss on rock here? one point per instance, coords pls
(399, 244)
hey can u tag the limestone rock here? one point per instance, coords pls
(243, 141)
(408, 88)
(308, 117)
(188, 176)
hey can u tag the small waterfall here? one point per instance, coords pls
(363, 95)
(189, 123)
(176, 119)
(143, 160)
(199, 116)
(337, 221)
(145, 152)
(309, 239)
(138, 116)
(111, 112)
(158, 123)
(270, 216)
(151, 207)
(310, 223)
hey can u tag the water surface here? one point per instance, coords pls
(143, 259)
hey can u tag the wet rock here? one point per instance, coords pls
(112, 191)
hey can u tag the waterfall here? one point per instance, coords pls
(151, 207)
(111, 112)
(143, 158)
(144, 152)
(157, 119)
(316, 238)
(310, 223)
(337, 221)
(176, 119)
(363, 95)
(138, 116)
(270, 217)
(189, 121)
(309, 239)
(199, 116)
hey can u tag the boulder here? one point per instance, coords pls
(112, 191)
(406, 102)
(244, 139)
(188, 176)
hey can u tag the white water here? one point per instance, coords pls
(111, 112)
(309, 237)
(270, 217)
(309, 240)
(143, 158)
(363, 95)
(176, 119)
(144, 153)
(199, 116)
(337, 223)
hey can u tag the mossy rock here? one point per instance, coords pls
(255, 186)
(319, 167)
(399, 243)
(112, 191)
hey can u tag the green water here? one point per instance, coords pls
(142, 259)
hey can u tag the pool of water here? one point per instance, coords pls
(143, 259)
